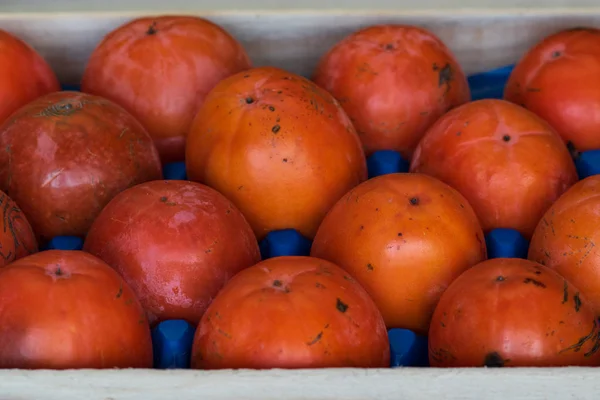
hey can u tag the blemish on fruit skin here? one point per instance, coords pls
(594, 336)
(446, 75)
(534, 282)
(414, 201)
(494, 360)
(152, 29)
(222, 332)
(341, 306)
(500, 278)
(577, 301)
(565, 292)
(275, 129)
(316, 339)
(249, 100)
(277, 283)
(370, 267)
(506, 138)
(120, 292)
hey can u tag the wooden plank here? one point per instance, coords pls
(237, 5)
(323, 384)
(295, 41)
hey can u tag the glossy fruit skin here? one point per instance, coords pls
(405, 238)
(17, 239)
(507, 162)
(66, 154)
(394, 82)
(278, 146)
(160, 70)
(175, 243)
(510, 312)
(62, 309)
(291, 312)
(565, 239)
(557, 79)
(24, 75)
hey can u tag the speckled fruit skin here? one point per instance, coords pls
(62, 309)
(565, 239)
(66, 154)
(508, 163)
(405, 238)
(510, 312)
(175, 243)
(278, 146)
(393, 81)
(24, 75)
(291, 312)
(160, 70)
(558, 79)
(17, 239)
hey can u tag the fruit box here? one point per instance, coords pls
(486, 43)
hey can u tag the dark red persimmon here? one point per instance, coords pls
(393, 81)
(175, 243)
(160, 70)
(65, 155)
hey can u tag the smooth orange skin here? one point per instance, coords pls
(84, 316)
(403, 254)
(17, 239)
(394, 82)
(24, 75)
(66, 154)
(291, 312)
(510, 184)
(162, 78)
(175, 243)
(278, 146)
(565, 239)
(557, 79)
(514, 313)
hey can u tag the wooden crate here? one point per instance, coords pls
(482, 38)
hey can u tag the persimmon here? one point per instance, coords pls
(65, 155)
(509, 163)
(291, 312)
(278, 146)
(176, 243)
(160, 69)
(24, 75)
(65, 309)
(394, 82)
(511, 312)
(566, 238)
(557, 79)
(405, 238)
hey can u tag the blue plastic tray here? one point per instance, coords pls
(172, 340)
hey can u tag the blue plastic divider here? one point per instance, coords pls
(172, 344)
(506, 243)
(172, 340)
